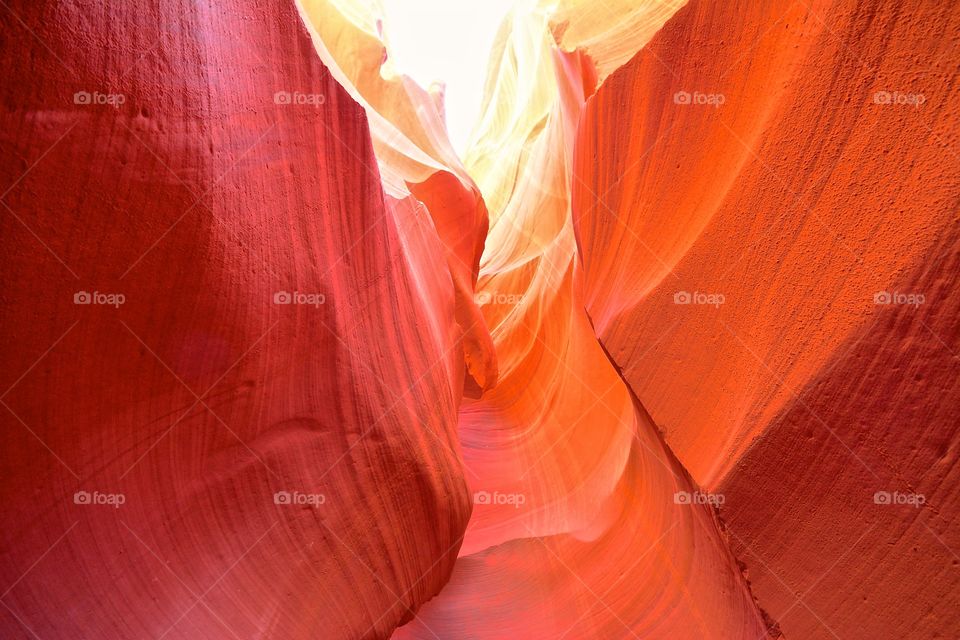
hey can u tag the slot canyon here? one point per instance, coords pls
(667, 347)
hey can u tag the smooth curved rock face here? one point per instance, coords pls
(415, 156)
(582, 524)
(609, 32)
(260, 440)
(782, 295)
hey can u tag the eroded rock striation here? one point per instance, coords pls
(769, 242)
(274, 398)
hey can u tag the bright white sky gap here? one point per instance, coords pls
(446, 41)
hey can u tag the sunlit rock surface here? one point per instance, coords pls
(414, 153)
(581, 525)
(766, 207)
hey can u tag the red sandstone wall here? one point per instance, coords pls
(199, 198)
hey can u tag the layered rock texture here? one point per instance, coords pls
(672, 352)
(790, 174)
(275, 400)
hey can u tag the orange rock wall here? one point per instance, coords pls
(789, 173)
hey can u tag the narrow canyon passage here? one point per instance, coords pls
(564, 468)
(666, 348)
